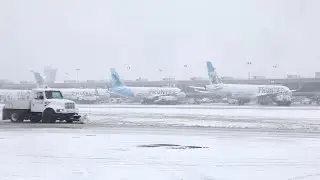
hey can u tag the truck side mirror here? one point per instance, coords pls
(41, 97)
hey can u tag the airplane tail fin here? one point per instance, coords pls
(115, 78)
(213, 77)
(50, 75)
(39, 80)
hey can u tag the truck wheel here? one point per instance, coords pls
(69, 120)
(49, 116)
(16, 118)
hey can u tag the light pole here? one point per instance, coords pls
(160, 71)
(127, 66)
(249, 63)
(186, 71)
(77, 74)
(275, 67)
(66, 77)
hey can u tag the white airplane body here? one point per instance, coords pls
(12, 94)
(76, 94)
(84, 94)
(144, 93)
(245, 92)
(72, 94)
(153, 91)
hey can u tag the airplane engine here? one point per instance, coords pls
(148, 100)
(87, 99)
(264, 100)
(103, 94)
(242, 101)
(283, 100)
(167, 100)
(181, 96)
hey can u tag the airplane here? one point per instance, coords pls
(13, 94)
(75, 94)
(147, 95)
(244, 93)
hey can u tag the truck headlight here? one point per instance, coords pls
(59, 110)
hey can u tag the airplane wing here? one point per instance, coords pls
(295, 90)
(200, 89)
(155, 96)
(195, 87)
(204, 92)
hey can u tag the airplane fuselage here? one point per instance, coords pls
(154, 91)
(74, 94)
(145, 92)
(11, 94)
(247, 91)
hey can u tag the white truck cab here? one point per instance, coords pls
(44, 104)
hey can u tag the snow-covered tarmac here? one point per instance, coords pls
(167, 142)
(260, 118)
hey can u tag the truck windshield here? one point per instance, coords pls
(53, 95)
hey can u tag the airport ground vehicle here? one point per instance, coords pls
(44, 104)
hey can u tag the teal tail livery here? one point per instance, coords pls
(118, 87)
(213, 77)
(115, 79)
(214, 81)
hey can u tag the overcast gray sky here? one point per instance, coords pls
(96, 35)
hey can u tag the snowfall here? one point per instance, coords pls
(211, 142)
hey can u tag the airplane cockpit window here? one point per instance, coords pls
(54, 95)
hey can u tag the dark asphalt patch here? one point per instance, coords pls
(171, 146)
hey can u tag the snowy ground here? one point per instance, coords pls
(116, 153)
(253, 117)
(167, 142)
